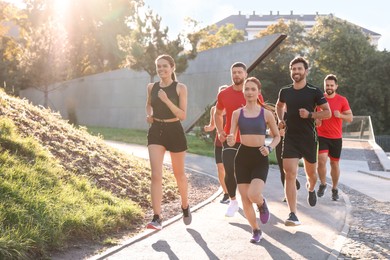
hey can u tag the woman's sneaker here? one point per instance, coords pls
(264, 212)
(232, 209)
(156, 223)
(187, 217)
(256, 236)
(225, 199)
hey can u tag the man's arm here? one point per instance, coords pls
(218, 117)
(346, 116)
(280, 113)
(324, 113)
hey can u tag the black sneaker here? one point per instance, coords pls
(321, 190)
(156, 223)
(312, 198)
(335, 194)
(225, 199)
(298, 184)
(292, 220)
(187, 217)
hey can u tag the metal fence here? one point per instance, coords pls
(384, 142)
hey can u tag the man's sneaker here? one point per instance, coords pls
(292, 220)
(321, 190)
(264, 212)
(298, 184)
(256, 236)
(156, 223)
(335, 194)
(187, 217)
(225, 199)
(232, 209)
(312, 197)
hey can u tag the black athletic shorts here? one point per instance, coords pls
(298, 147)
(168, 134)
(330, 146)
(218, 154)
(250, 164)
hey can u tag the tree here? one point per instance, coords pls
(44, 58)
(274, 71)
(341, 48)
(147, 41)
(215, 37)
(372, 96)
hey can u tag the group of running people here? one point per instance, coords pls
(241, 119)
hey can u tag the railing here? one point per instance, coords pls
(359, 128)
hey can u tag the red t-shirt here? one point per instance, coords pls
(333, 127)
(230, 100)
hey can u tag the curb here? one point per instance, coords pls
(342, 237)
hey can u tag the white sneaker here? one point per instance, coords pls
(232, 209)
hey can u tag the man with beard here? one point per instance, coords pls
(330, 135)
(299, 100)
(229, 100)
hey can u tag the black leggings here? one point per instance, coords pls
(278, 153)
(228, 155)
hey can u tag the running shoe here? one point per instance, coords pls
(256, 236)
(321, 190)
(225, 199)
(156, 223)
(312, 197)
(292, 220)
(187, 217)
(298, 184)
(232, 209)
(264, 212)
(335, 194)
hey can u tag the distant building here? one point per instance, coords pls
(254, 23)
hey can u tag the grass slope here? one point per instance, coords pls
(58, 182)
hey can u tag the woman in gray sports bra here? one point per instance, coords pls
(251, 162)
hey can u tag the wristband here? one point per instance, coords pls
(310, 115)
(269, 148)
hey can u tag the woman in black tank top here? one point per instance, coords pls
(166, 106)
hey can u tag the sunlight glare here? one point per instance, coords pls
(61, 7)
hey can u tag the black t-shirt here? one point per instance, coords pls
(308, 97)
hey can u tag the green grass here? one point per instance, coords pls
(196, 145)
(43, 206)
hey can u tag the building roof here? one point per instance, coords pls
(242, 21)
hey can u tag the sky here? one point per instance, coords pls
(372, 15)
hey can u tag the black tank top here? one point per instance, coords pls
(160, 109)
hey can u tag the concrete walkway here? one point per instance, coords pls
(214, 236)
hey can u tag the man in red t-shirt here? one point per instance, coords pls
(229, 100)
(330, 135)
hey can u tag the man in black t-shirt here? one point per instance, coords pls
(300, 100)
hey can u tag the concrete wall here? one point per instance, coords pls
(117, 98)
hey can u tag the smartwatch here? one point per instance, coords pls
(269, 148)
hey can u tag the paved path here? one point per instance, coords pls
(213, 236)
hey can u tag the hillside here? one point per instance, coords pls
(41, 155)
